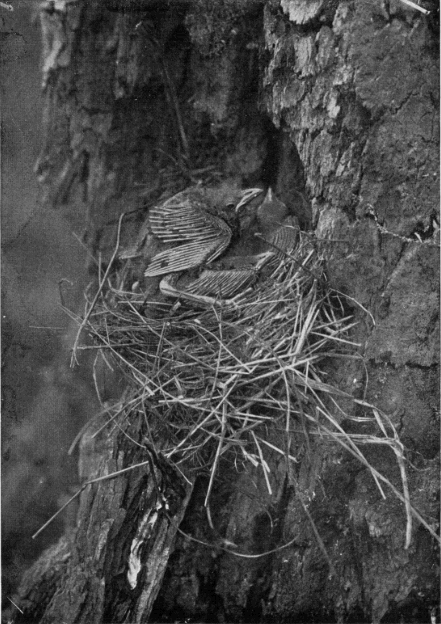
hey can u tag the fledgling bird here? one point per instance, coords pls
(279, 230)
(230, 276)
(198, 224)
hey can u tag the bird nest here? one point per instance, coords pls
(212, 381)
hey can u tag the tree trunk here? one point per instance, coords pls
(337, 100)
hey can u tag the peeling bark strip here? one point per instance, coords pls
(338, 99)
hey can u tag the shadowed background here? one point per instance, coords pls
(44, 402)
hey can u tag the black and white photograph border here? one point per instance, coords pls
(220, 311)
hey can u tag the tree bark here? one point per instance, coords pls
(338, 100)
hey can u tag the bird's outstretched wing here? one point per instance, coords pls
(223, 284)
(184, 257)
(285, 237)
(182, 219)
(211, 286)
(185, 220)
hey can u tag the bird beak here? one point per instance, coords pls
(246, 196)
(269, 195)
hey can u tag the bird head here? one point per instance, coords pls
(271, 211)
(231, 200)
(246, 196)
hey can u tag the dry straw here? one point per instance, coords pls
(213, 380)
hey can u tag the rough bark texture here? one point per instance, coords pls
(338, 99)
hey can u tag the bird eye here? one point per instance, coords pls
(231, 205)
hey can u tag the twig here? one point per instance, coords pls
(91, 482)
(98, 292)
(218, 453)
(416, 6)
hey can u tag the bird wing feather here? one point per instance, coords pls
(180, 220)
(223, 284)
(285, 237)
(182, 258)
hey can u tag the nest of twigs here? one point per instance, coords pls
(212, 379)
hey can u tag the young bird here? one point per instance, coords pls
(279, 230)
(197, 223)
(232, 275)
